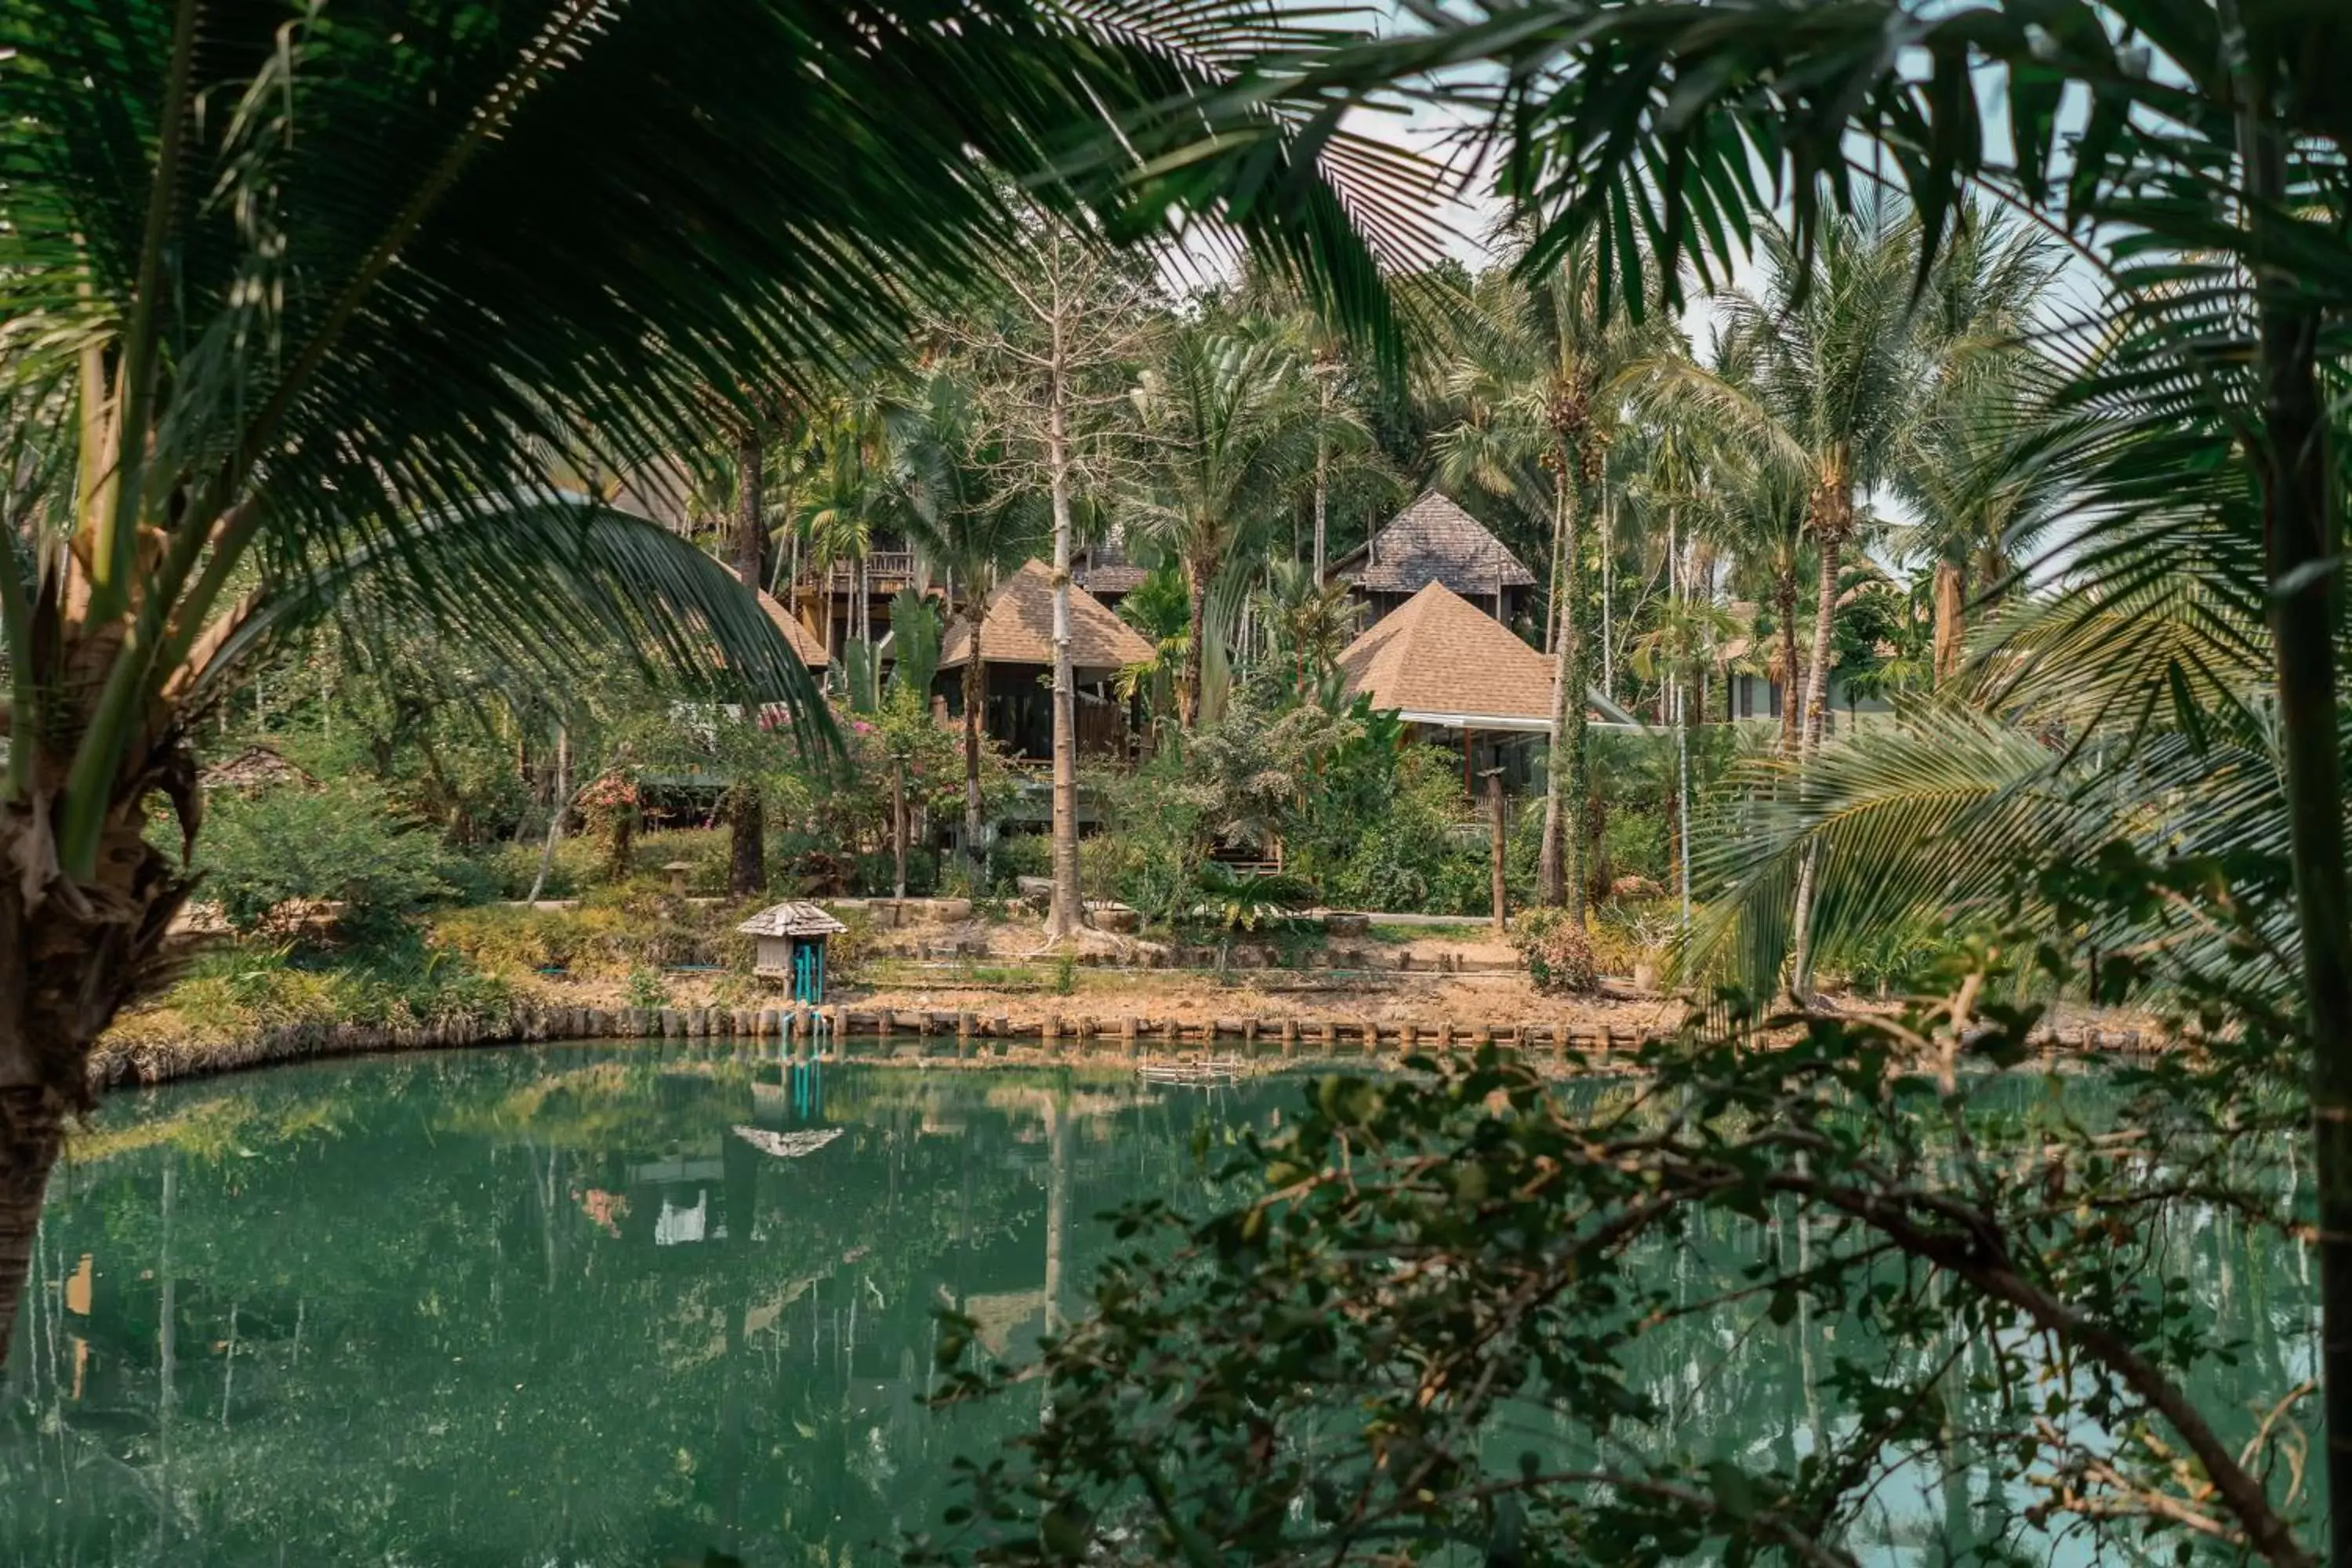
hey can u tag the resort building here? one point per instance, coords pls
(1435, 541)
(1017, 649)
(1459, 677)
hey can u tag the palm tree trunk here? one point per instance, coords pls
(1784, 606)
(750, 530)
(975, 698)
(2301, 537)
(1196, 615)
(1322, 472)
(898, 828)
(1801, 920)
(32, 1128)
(1560, 869)
(1951, 618)
(1817, 674)
(747, 842)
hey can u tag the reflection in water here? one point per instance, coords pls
(584, 1305)
(601, 1306)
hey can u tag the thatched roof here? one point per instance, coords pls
(256, 767)
(794, 919)
(1019, 627)
(810, 651)
(1435, 541)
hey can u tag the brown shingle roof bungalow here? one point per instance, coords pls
(1019, 629)
(1435, 541)
(1442, 662)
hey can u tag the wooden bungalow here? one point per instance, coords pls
(1435, 541)
(1457, 675)
(1016, 651)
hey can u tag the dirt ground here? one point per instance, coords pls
(1006, 968)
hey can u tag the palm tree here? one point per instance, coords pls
(2221, 453)
(968, 523)
(1161, 608)
(1308, 622)
(1228, 417)
(1975, 463)
(339, 298)
(1539, 372)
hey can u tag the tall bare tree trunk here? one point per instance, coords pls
(1066, 912)
(1801, 920)
(975, 698)
(559, 808)
(1951, 618)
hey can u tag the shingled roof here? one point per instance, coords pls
(1435, 541)
(1019, 627)
(1107, 569)
(1439, 659)
(794, 919)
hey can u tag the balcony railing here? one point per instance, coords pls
(886, 570)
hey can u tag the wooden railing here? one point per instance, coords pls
(886, 570)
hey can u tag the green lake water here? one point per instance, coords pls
(614, 1305)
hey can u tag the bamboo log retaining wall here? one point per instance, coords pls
(853, 1033)
(1247, 958)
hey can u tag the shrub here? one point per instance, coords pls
(1556, 950)
(344, 844)
(1019, 855)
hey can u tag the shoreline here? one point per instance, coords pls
(960, 1037)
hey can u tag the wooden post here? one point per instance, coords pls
(1494, 816)
(1291, 1037)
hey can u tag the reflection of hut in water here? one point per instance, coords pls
(791, 939)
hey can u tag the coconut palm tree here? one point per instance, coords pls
(1540, 373)
(967, 523)
(301, 313)
(1975, 463)
(1230, 422)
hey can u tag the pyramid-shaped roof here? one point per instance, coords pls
(1019, 627)
(1441, 659)
(1435, 541)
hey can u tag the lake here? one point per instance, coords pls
(615, 1305)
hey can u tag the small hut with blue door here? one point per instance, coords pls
(791, 947)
